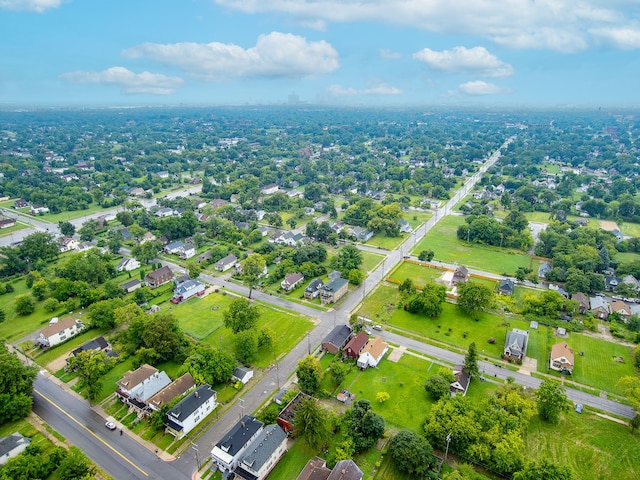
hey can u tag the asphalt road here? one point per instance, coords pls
(120, 456)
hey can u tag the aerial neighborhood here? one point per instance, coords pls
(325, 295)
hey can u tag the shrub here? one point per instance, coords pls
(492, 340)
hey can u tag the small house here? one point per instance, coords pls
(583, 302)
(507, 287)
(127, 264)
(131, 285)
(226, 263)
(372, 353)
(599, 307)
(191, 410)
(460, 275)
(405, 227)
(59, 331)
(461, 383)
(67, 244)
(226, 454)
(313, 289)
(12, 446)
(185, 290)
(516, 345)
(242, 375)
(354, 347)
(291, 281)
(337, 339)
(621, 308)
(562, 359)
(99, 344)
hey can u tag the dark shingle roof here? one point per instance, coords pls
(338, 336)
(262, 448)
(96, 344)
(237, 437)
(7, 444)
(192, 402)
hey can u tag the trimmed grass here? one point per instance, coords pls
(65, 348)
(631, 229)
(420, 274)
(627, 257)
(420, 218)
(370, 260)
(289, 328)
(448, 248)
(199, 317)
(66, 216)
(9, 230)
(293, 462)
(111, 377)
(594, 447)
(389, 243)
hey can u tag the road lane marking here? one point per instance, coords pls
(92, 433)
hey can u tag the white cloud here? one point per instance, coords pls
(275, 55)
(38, 6)
(479, 87)
(378, 89)
(474, 61)
(562, 25)
(623, 38)
(128, 81)
(389, 54)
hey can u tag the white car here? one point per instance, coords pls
(110, 425)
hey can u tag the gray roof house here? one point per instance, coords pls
(242, 374)
(313, 289)
(506, 287)
(516, 345)
(226, 454)
(544, 268)
(263, 454)
(599, 307)
(337, 339)
(12, 446)
(191, 410)
(226, 263)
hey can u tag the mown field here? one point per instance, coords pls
(448, 248)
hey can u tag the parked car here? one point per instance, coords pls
(110, 425)
(377, 327)
(630, 300)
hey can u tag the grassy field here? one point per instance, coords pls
(420, 274)
(627, 257)
(594, 447)
(64, 349)
(66, 216)
(390, 243)
(416, 218)
(202, 318)
(448, 248)
(370, 260)
(9, 230)
(631, 229)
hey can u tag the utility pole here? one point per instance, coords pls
(241, 401)
(308, 344)
(446, 452)
(195, 449)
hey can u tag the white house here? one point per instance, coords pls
(191, 410)
(186, 290)
(291, 280)
(127, 264)
(67, 244)
(188, 251)
(372, 353)
(263, 454)
(226, 263)
(138, 386)
(227, 452)
(242, 374)
(59, 331)
(269, 189)
(174, 247)
(12, 446)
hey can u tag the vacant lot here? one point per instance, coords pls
(448, 248)
(419, 274)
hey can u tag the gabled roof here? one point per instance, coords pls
(292, 278)
(507, 285)
(96, 344)
(357, 342)
(315, 469)
(621, 307)
(562, 349)
(262, 448)
(599, 302)
(517, 342)
(137, 376)
(237, 437)
(375, 347)
(345, 470)
(314, 285)
(338, 336)
(178, 387)
(582, 299)
(58, 327)
(185, 287)
(159, 273)
(7, 444)
(189, 404)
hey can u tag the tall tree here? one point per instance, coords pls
(252, 269)
(411, 453)
(312, 422)
(309, 374)
(16, 386)
(208, 365)
(474, 298)
(66, 228)
(240, 315)
(471, 360)
(544, 470)
(551, 400)
(90, 367)
(366, 427)
(348, 258)
(245, 344)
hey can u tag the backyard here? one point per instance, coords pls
(442, 239)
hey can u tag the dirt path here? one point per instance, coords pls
(608, 225)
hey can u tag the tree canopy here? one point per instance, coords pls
(241, 315)
(16, 386)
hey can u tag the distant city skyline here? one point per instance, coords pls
(542, 53)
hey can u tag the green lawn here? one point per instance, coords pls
(419, 274)
(66, 216)
(388, 243)
(9, 230)
(112, 376)
(627, 257)
(594, 447)
(448, 248)
(631, 229)
(289, 328)
(65, 348)
(416, 218)
(370, 260)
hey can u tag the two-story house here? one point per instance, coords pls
(226, 454)
(188, 289)
(136, 387)
(191, 410)
(59, 331)
(263, 454)
(158, 277)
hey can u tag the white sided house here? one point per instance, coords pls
(59, 331)
(263, 454)
(372, 353)
(127, 264)
(188, 289)
(12, 446)
(136, 387)
(226, 263)
(191, 410)
(227, 452)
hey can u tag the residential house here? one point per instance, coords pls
(66, 244)
(516, 345)
(337, 227)
(337, 339)
(163, 174)
(291, 280)
(599, 307)
(20, 203)
(59, 331)
(354, 347)
(158, 277)
(12, 446)
(460, 275)
(269, 189)
(543, 269)
(136, 387)
(631, 281)
(461, 383)
(127, 264)
(217, 203)
(226, 263)
(334, 290)
(98, 344)
(611, 282)
(7, 222)
(131, 285)
(361, 234)
(137, 192)
(175, 389)
(345, 470)
(278, 397)
(372, 353)
(618, 234)
(263, 454)
(204, 257)
(242, 375)
(185, 290)
(226, 454)
(583, 302)
(264, 231)
(286, 418)
(316, 469)
(174, 248)
(147, 237)
(313, 289)
(621, 308)
(191, 410)
(562, 358)
(405, 227)
(188, 251)
(164, 212)
(38, 209)
(507, 286)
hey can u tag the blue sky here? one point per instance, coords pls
(542, 53)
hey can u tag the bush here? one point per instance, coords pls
(492, 340)
(50, 305)
(25, 305)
